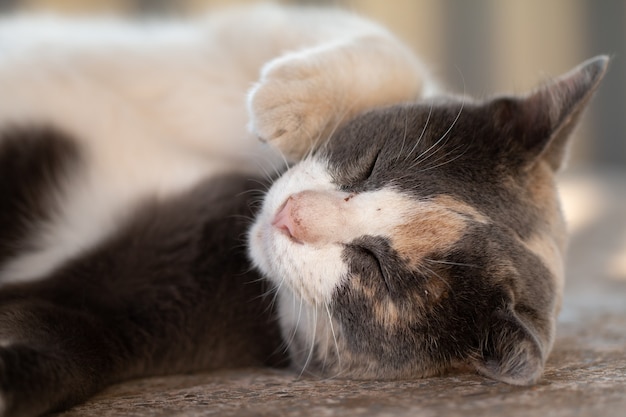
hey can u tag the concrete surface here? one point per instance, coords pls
(585, 375)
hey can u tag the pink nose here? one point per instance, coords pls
(286, 222)
(313, 217)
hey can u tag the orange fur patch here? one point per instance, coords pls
(545, 197)
(434, 226)
(548, 244)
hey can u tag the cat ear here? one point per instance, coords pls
(511, 351)
(545, 118)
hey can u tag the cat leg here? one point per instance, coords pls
(51, 357)
(303, 97)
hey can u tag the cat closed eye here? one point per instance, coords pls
(373, 265)
(371, 168)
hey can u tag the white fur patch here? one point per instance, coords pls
(95, 202)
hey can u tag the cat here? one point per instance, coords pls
(267, 187)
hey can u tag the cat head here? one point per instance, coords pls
(426, 235)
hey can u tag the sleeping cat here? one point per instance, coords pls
(379, 229)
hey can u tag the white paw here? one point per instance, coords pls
(295, 105)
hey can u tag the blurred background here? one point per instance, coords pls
(492, 46)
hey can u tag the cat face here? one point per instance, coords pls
(424, 236)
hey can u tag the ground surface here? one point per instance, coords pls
(585, 375)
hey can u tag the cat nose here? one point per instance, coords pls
(313, 217)
(284, 220)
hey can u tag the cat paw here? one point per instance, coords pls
(295, 105)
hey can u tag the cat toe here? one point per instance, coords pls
(291, 110)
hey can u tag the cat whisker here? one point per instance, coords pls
(273, 292)
(429, 152)
(266, 174)
(278, 168)
(276, 291)
(438, 276)
(249, 269)
(272, 289)
(332, 331)
(284, 159)
(298, 320)
(312, 348)
(406, 121)
(444, 162)
(439, 158)
(262, 167)
(450, 263)
(419, 139)
(255, 199)
(241, 216)
(285, 344)
(316, 144)
(328, 339)
(259, 187)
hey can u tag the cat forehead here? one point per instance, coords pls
(416, 140)
(443, 148)
(423, 121)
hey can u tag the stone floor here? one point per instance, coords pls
(585, 375)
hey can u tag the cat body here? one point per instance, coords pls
(379, 228)
(187, 120)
